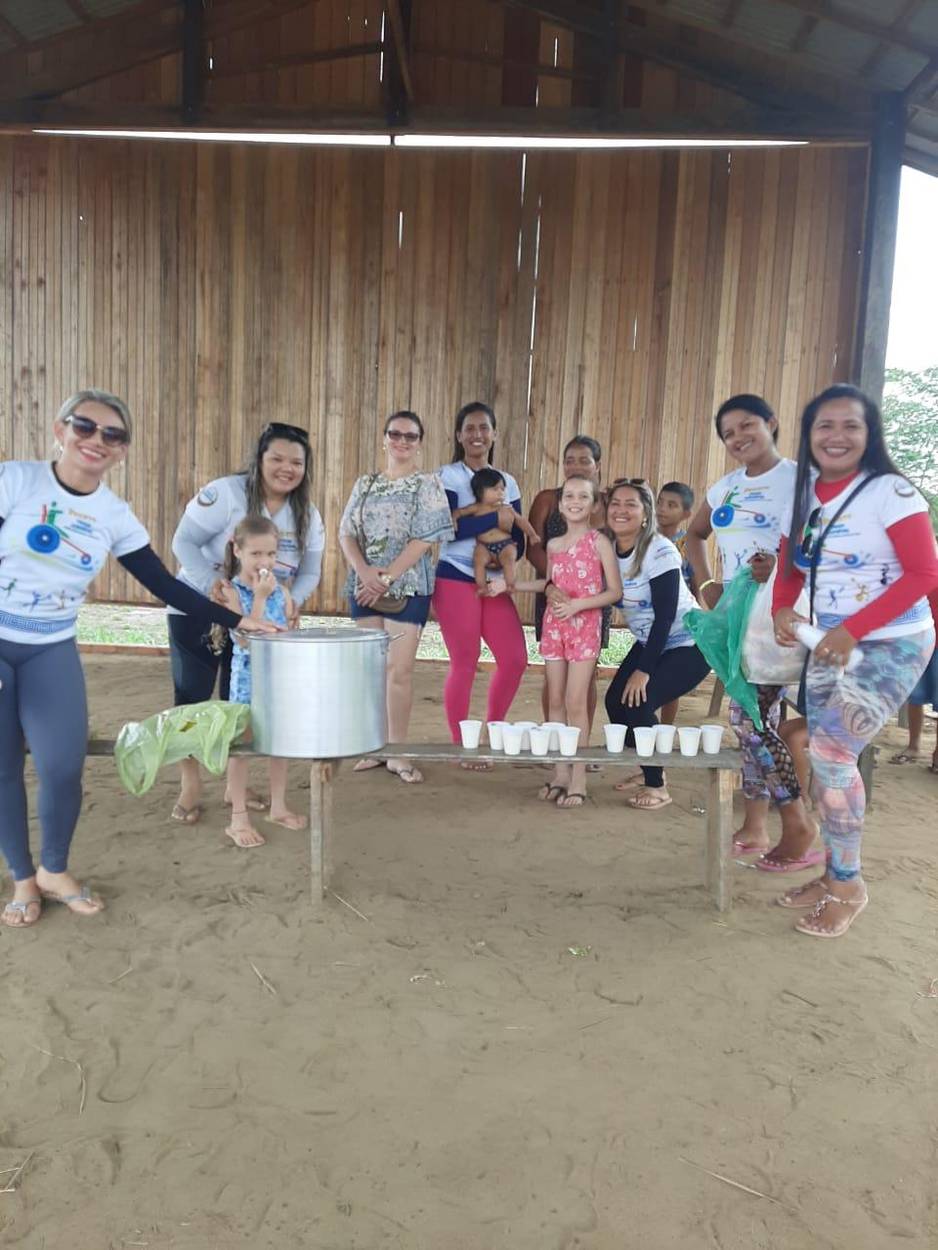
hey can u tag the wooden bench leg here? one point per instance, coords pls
(865, 764)
(321, 775)
(720, 838)
(716, 699)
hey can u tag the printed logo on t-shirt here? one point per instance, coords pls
(207, 496)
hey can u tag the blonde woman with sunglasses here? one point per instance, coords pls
(59, 523)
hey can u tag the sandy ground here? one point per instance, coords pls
(446, 1074)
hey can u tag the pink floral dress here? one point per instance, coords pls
(579, 572)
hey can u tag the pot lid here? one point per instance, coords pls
(323, 633)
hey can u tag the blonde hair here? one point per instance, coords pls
(95, 395)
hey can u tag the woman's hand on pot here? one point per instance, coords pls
(636, 689)
(785, 621)
(251, 625)
(835, 647)
(762, 564)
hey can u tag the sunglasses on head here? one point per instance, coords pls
(85, 427)
(627, 481)
(277, 429)
(402, 436)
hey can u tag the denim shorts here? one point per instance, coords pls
(416, 612)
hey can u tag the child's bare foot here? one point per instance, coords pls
(751, 839)
(242, 832)
(253, 802)
(286, 819)
(61, 887)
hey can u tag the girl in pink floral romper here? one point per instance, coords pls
(582, 577)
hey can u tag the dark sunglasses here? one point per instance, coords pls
(402, 436)
(84, 427)
(810, 534)
(277, 429)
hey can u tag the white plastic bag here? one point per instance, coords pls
(764, 662)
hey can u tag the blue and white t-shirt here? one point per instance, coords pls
(635, 604)
(858, 561)
(53, 544)
(456, 478)
(747, 513)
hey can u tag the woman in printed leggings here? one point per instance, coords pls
(58, 525)
(860, 534)
(465, 616)
(744, 512)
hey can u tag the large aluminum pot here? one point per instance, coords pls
(319, 693)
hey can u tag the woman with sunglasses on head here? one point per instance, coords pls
(276, 485)
(664, 663)
(390, 523)
(582, 457)
(744, 511)
(465, 617)
(860, 536)
(58, 524)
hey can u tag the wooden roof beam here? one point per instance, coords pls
(398, 81)
(79, 10)
(901, 22)
(401, 39)
(15, 36)
(193, 60)
(849, 19)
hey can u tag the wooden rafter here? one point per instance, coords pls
(901, 22)
(398, 33)
(298, 60)
(193, 59)
(79, 10)
(15, 36)
(886, 32)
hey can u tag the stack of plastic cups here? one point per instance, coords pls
(512, 736)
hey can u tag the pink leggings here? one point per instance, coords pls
(465, 620)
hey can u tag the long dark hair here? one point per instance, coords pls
(459, 452)
(875, 461)
(299, 496)
(753, 404)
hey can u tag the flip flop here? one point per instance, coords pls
(856, 905)
(295, 825)
(408, 774)
(550, 793)
(69, 900)
(748, 848)
(905, 757)
(653, 802)
(237, 834)
(187, 815)
(571, 794)
(810, 860)
(20, 907)
(793, 900)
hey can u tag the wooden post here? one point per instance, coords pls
(720, 838)
(716, 699)
(321, 774)
(879, 243)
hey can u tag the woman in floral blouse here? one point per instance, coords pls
(390, 522)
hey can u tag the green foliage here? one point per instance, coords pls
(910, 416)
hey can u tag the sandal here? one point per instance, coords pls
(794, 899)
(237, 835)
(408, 774)
(187, 815)
(782, 864)
(905, 757)
(84, 895)
(20, 907)
(550, 793)
(854, 905)
(294, 822)
(563, 801)
(648, 800)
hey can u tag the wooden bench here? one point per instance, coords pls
(719, 834)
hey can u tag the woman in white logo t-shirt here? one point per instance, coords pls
(58, 525)
(744, 512)
(276, 485)
(860, 535)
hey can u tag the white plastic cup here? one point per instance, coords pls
(711, 737)
(645, 736)
(470, 732)
(495, 728)
(511, 739)
(555, 727)
(540, 740)
(689, 738)
(615, 737)
(569, 736)
(526, 726)
(664, 738)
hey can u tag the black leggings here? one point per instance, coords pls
(195, 665)
(677, 672)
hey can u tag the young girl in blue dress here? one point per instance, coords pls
(253, 590)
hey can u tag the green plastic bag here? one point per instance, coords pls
(202, 730)
(719, 635)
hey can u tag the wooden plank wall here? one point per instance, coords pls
(218, 287)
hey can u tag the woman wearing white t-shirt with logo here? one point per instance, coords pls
(58, 525)
(860, 535)
(744, 512)
(276, 485)
(664, 663)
